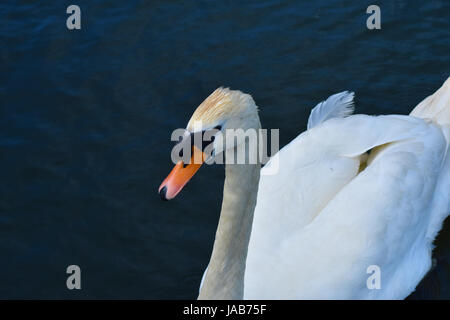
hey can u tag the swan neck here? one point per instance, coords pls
(225, 275)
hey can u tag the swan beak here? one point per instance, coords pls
(180, 175)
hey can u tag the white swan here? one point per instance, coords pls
(331, 212)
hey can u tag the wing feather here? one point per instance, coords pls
(338, 105)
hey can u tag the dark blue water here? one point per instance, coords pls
(86, 117)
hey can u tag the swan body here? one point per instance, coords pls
(318, 228)
(314, 228)
(320, 222)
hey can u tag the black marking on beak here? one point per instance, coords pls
(162, 193)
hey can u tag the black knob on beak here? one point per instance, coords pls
(162, 193)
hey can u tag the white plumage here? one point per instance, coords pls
(331, 211)
(338, 105)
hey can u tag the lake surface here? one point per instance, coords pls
(86, 117)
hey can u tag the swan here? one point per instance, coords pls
(351, 193)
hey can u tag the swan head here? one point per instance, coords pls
(229, 109)
(222, 110)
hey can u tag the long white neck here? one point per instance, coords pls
(225, 276)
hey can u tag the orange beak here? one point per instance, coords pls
(180, 175)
